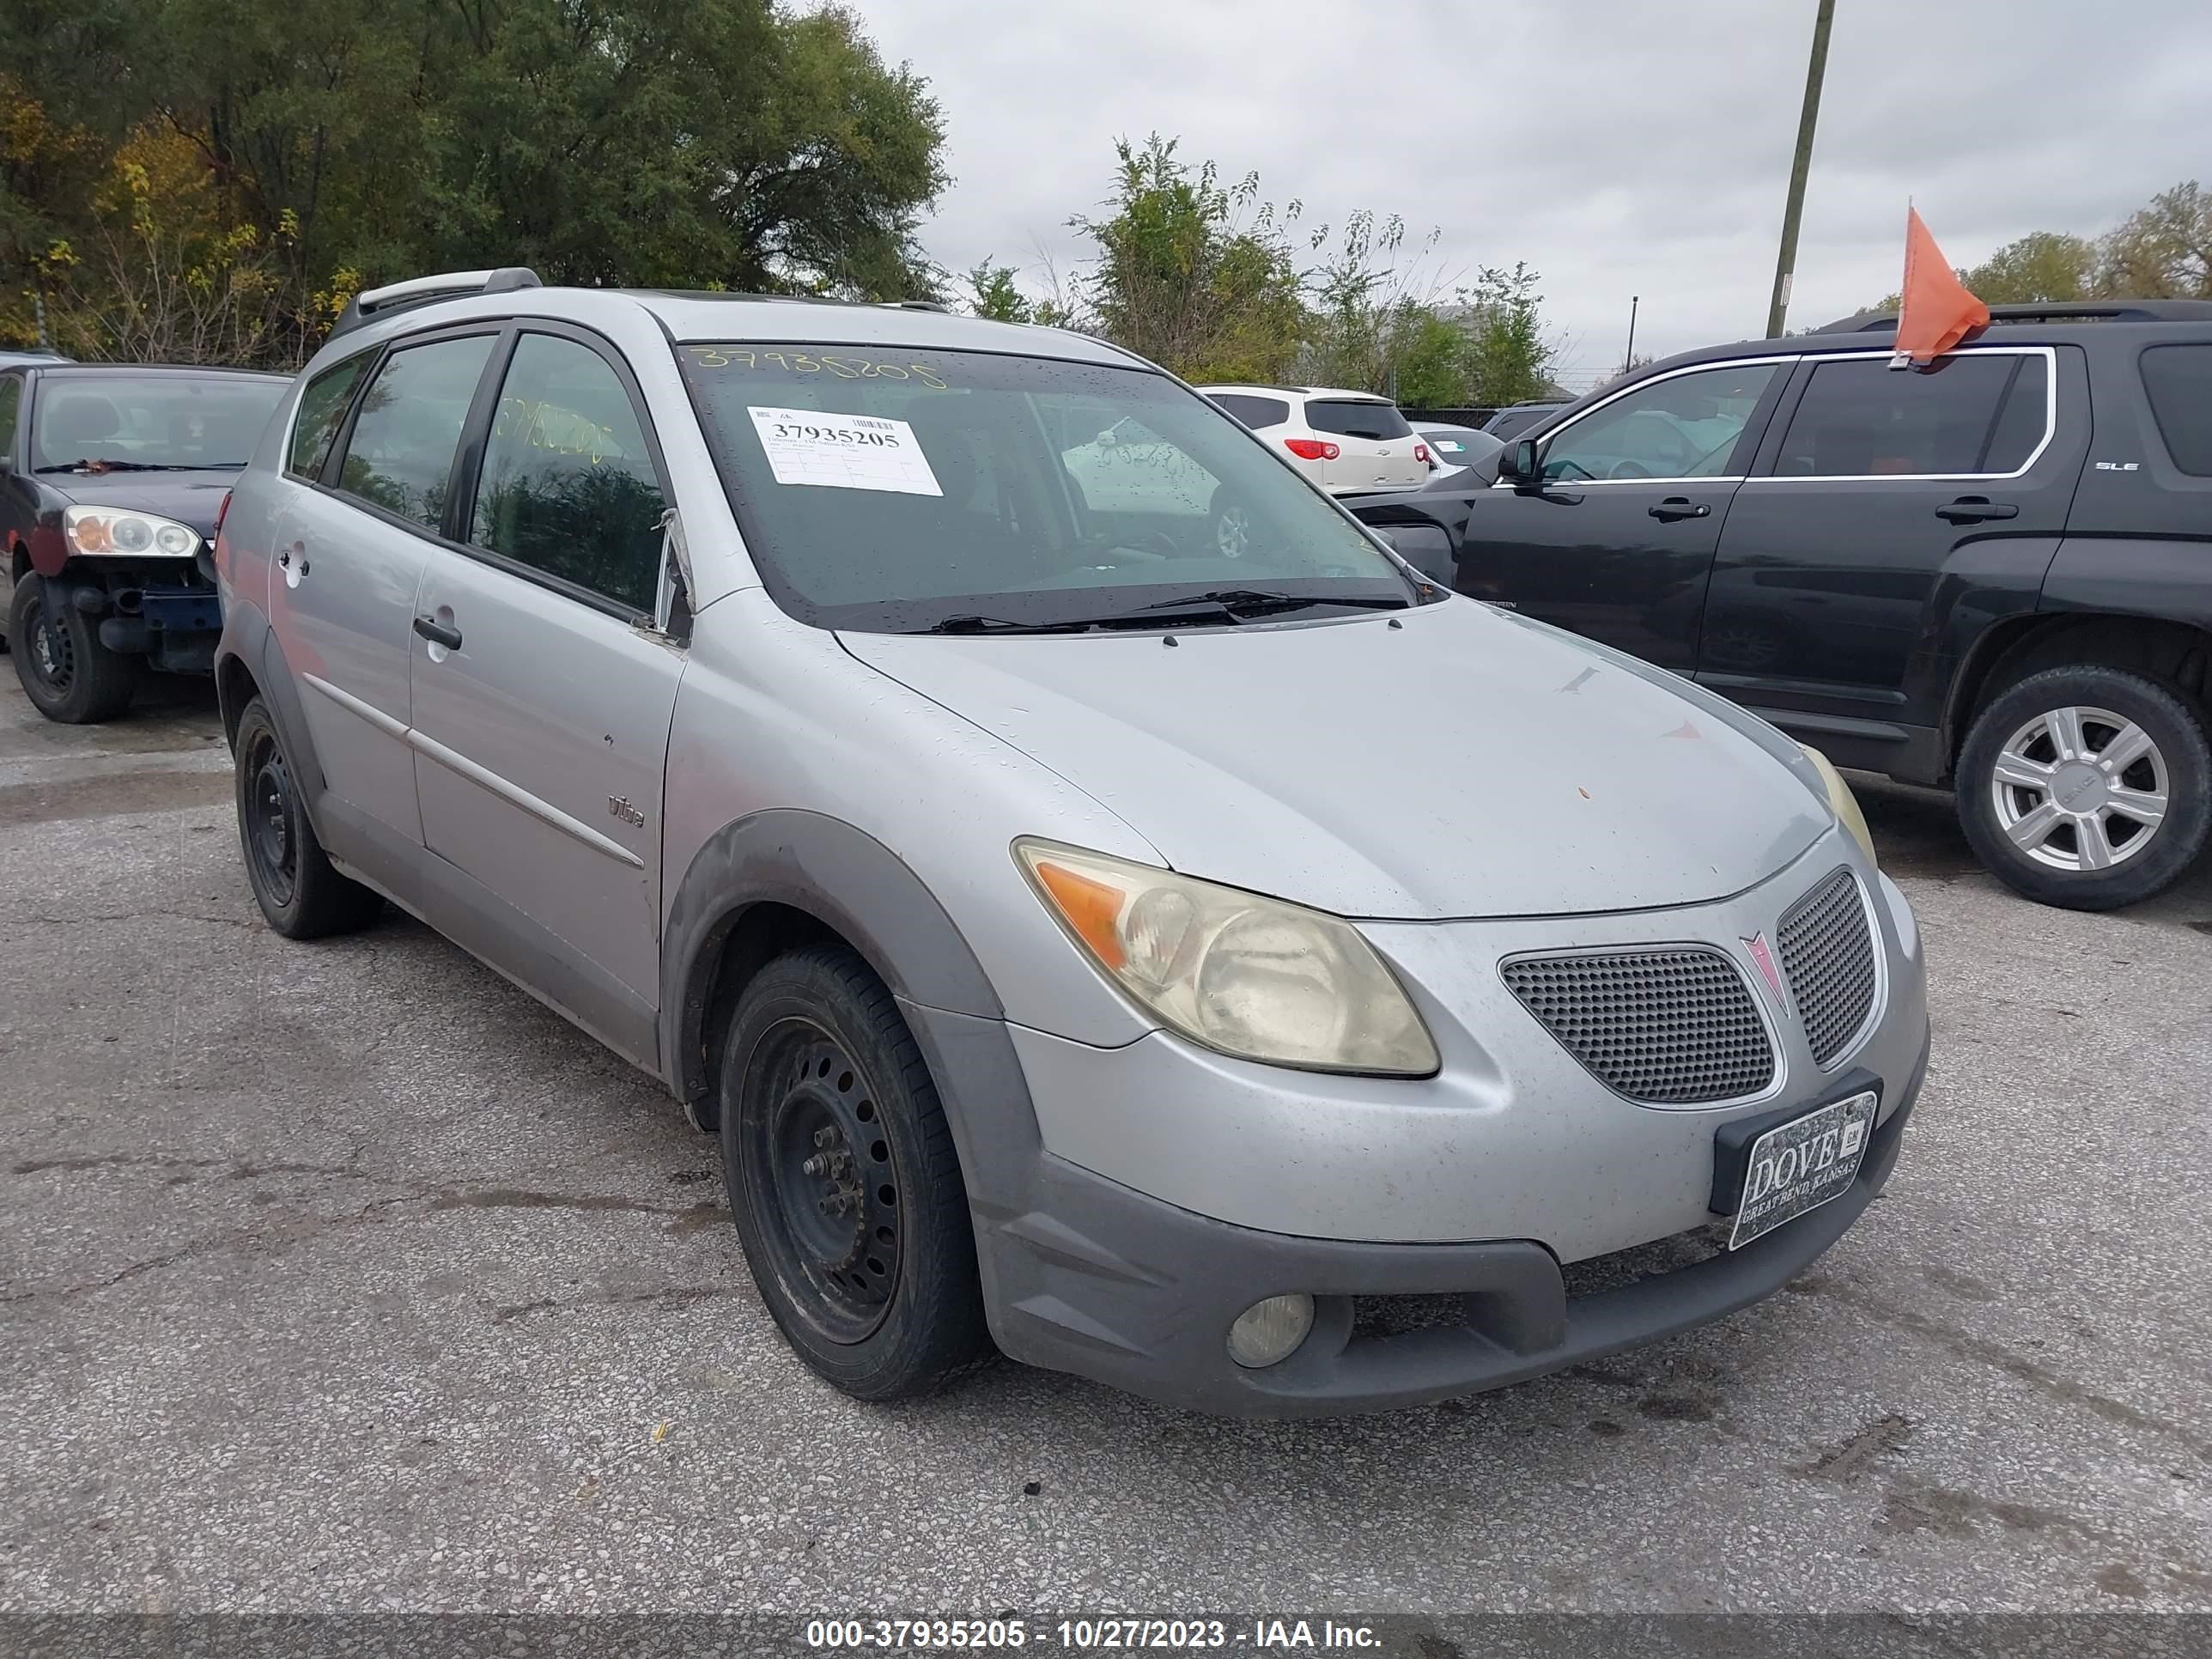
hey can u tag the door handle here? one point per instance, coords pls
(437, 633)
(297, 553)
(1972, 509)
(1681, 507)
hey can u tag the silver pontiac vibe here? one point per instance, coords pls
(1108, 906)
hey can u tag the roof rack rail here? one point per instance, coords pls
(421, 290)
(2069, 311)
(915, 305)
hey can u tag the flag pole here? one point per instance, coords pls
(1785, 266)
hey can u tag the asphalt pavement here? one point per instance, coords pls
(344, 1276)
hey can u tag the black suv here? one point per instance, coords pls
(1994, 573)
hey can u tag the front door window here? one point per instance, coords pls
(1683, 426)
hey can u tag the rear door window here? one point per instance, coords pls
(2179, 381)
(400, 456)
(1360, 419)
(1254, 411)
(568, 485)
(1968, 414)
(322, 411)
(11, 400)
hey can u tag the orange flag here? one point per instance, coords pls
(1937, 312)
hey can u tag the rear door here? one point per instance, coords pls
(1617, 541)
(1375, 449)
(542, 693)
(365, 480)
(1889, 502)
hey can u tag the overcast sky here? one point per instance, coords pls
(1618, 146)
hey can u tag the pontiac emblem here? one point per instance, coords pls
(1765, 960)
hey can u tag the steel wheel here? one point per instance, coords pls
(49, 650)
(821, 1153)
(271, 833)
(2080, 789)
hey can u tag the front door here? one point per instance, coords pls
(1889, 496)
(1617, 540)
(349, 534)
(542, 693)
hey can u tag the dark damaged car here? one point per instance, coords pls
(112, 479)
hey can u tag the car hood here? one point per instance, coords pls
(1461, 763)
(188, 497)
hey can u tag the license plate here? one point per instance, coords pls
(1799, 1165)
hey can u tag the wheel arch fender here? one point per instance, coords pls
(788, 872)
(250, 663)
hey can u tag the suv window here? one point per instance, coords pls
(1969, 413)
(321, 413)
(2178, 381)
(1252, 411)
(1363, 419)
(568, 485)
(1684, 425)
(11, 400)
(400, 456)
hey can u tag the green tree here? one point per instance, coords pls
(2163, 251)
(704, 143)
(992, 293)
(1508, 360)
(1194, 276)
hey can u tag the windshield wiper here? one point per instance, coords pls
(1193, 611)
(968, 624)
(142, 466)
(1253, 601)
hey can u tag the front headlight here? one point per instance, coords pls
(1845, 803)
(115, 530)
(1251, 976)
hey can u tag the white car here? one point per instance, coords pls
(1344, 441)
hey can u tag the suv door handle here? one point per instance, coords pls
(437, 633)
(1681, 507)
(1972, 509)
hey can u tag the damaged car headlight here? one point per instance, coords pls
(1250, 976)
(1841, 801)
(115, 530)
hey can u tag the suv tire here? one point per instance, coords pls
(2025, 831)
(299, 891)
(844, 1181)
(69, 675)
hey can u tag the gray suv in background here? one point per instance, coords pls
(1046, 901)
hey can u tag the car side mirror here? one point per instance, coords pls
(1518, 462)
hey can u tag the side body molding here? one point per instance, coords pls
(825, 868)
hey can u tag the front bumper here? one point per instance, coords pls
(1092, 1278)
(1155, 1190)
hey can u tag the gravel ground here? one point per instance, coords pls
(345, 1277)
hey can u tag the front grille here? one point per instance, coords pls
(1828, 954)
(1672, 1026)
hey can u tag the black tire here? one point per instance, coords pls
(880, 1296)
(2144, 858)
(67, 673)
(298, 892)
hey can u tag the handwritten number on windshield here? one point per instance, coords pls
(844, 367)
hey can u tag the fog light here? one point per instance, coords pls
(1270, 1331)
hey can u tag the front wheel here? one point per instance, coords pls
(2087, 786)
(68, 674)
(844, 1183)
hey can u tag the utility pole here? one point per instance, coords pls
(1785, 267)
(1628, 357)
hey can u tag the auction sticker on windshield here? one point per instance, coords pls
(1801, 1165)
(844, 452)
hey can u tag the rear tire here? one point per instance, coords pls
(70, 677)
(844, 1183)
(300, 892)
(2087, 786)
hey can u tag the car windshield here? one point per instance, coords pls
(897, 490)
(166, 420)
